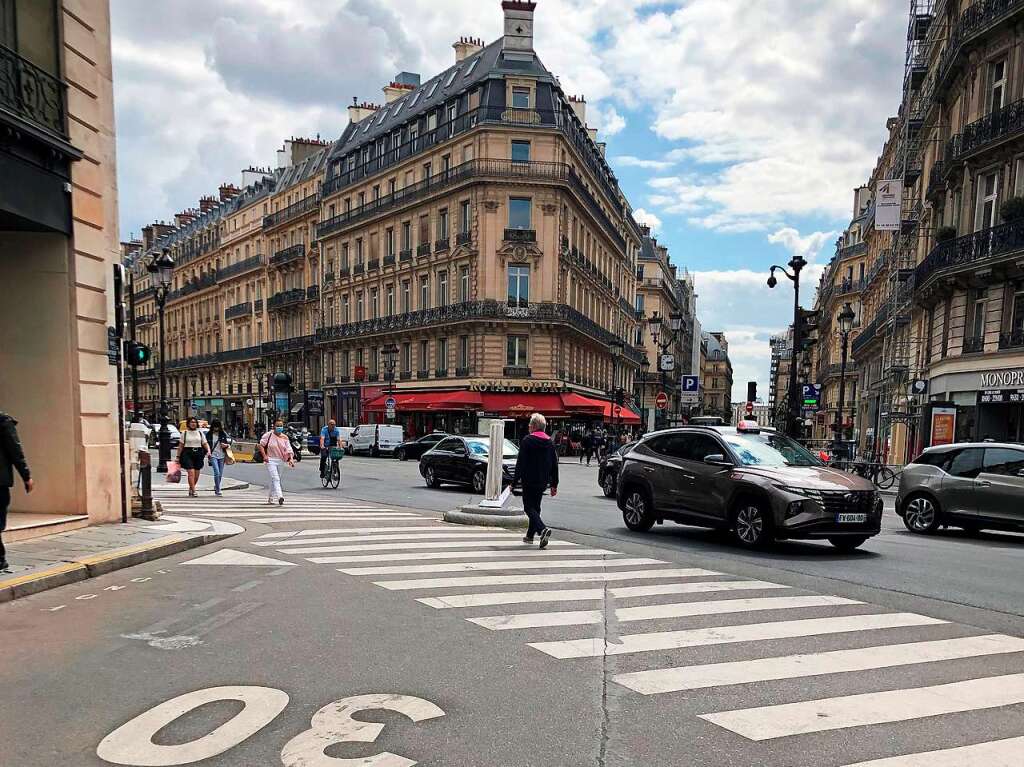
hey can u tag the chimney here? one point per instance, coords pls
(183, 219)
(207, 203)
(295, 150)
(518, 41)
(645, 230)
(228, 191)
(357, 112)
(601, 147)
(579, 106)
(592, 132)
(466, 47)
(395, 90)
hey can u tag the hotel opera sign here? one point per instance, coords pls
(524, 385)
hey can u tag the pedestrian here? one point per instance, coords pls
(220, 445)
(276, 449)
(536, 470)
(12, 458)
(193, 451)
(588, 446)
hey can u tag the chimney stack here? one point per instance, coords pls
(395, 90)
(579, 106)
(357, 112)
(518, 41)
(207, 203)
(466, 47)
(228, 191)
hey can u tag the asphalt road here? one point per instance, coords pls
(609, 649)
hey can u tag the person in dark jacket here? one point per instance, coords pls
(12, 458)
(537, 470)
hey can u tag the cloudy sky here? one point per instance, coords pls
(738, 129)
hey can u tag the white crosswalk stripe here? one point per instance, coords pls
(518, 580)
(430, 535)
(484, 543)
(655, 612)
(768, 722)
(458, 567)
(425, 556)
(996, 753)
(340, 515)
(429, 529)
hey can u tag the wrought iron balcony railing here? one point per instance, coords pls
(422, 374)
(441, 373)
(405, 256)
(850, 286)
(1012, 340)
(286, 298)
(373, 265)
(852, 251)
(208, 280)
(238, 310)
(237, 355)
(516, 371)
(463, 238)
(288, 255)
(312, 292)
(520, 235)
(992, 128)
(441, 245)
(293, 211)
(389, 260)
(462, 372)
(299, 343)
(32, 94)
(242, 267)
(980, 17)
(423, 249)
(974, 344)
(971, 249)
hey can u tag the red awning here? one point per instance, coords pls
(577, 403)
(523, 405)
(426, 401)
(615, 414)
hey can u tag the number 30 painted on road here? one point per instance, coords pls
(132, 743)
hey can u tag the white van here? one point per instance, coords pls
(376, 439)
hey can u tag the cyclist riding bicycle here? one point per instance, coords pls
(330, 436)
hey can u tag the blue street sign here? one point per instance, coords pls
(390, 403)
(812, 395)
(691, 383)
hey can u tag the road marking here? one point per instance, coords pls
(423, 556)
(664, 680)
(431, 534)
(281, 570)
(339, 515)
(458, 567)
(996, 753)
(432, 525)
(242, 558)
(748, 632)
(655, 612)
(768, 722)
(503, 543)
(585, 595)
(510, 580)
(54, 609)
(367, 518)
(209, 603)
(247, 586)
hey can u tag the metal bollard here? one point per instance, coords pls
(146, 485)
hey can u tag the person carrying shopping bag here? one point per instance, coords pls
(220, 452)
(276, 449)
(193, 451)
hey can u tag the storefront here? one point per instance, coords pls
(988, 404)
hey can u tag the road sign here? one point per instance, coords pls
(750, 408)
(689, 390)
(667, 363)
(389, 413)
(811, 396)
(918, 387)
(113, 346)
(390, 403)
(661, 401)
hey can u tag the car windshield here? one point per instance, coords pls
(769, 450)
(482, 447)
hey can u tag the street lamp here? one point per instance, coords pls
(261, 411)
(846, 318)
(664, 337)
(645, 367)
(616, 347)
(162, 269)
(796, 265)
(390, 353)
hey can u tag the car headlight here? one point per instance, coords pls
(806, 492)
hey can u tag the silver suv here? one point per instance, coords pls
(756, 483)
(975, 486)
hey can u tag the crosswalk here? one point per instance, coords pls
(663, 630)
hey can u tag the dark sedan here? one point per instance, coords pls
(417, 447)
(463, 461)
(608, 470)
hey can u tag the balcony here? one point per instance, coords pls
(405, 256)
(299, 343)
(835, 371)
(441, 245)
(405, 375)
(464, 238)
(32, 94)
(974, 22)
(358, 269)
(288, 255)
(142, 295)
(516, 371)
(1012, 340)
(974, 344)
(421, 374)
(373, 265)
(208, 280)
(870, 333)
(286, 298)
(850, 286)
(258, 306)
(971, 252)
(423, 250)
(389, 260)
(520, 235)
(241, 267)
(372, 377)
(293, 211)
(238, 310)
(852, 251)
(992, 129)
(936, 181)
(238, 355)
(144, 319)
(195, 361)
(462, 372)
(344, 272)
(313, 293)
(441, 373)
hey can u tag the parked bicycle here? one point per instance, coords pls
(881, 475)
(332, 470)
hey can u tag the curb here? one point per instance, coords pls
(511, 518)
(170, 490)
(101, 564)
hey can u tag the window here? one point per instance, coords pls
(359, 306)
(639, 302)
(453, 113)
(374, 361)
(996, 85)
(376, 192)
(465, 220)
(433, 87)
(446, 164)
(988, 197)
(520, 151)
(519, 285)
(424, 355)
(424, 230)
(976, 317)
(346, 363)
(374, 303)
(442, 354)
(406, 235)
(451, 78)
(1017, 318)
(442, 224)
(407, 357)
(1004, 462)
(359, 252)
(520, 98)
(442, 288)
(344, 310)
(390, 299)
(519, 213)
(464, 288)
(516, 351)
(389, 242)
(463, 351)
(424, 292)
(967, 463)
(406, 296)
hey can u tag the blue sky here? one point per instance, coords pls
(738, 129)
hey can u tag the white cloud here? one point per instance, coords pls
(643, 217)
(628, 161)
(607, 121)
(808, 247)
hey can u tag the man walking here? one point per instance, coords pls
(536, 469)
(11, 457)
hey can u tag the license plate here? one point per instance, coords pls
(851, 518)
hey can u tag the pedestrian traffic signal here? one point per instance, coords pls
(136, 354)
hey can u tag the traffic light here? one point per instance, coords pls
(752, 391)
(136, 354)
(620, 397)
(808, 328)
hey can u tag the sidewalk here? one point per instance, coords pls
(50, 561)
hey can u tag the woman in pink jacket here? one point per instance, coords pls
(276, 449)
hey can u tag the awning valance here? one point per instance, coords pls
(426, 401)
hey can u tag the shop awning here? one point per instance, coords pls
(615, 414)
(523, 405)
(427, 401)
(577, 403)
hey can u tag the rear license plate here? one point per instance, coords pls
(851, 518)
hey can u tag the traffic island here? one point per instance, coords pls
(492, 511)
(474, 514)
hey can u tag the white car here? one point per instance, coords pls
(376, 439)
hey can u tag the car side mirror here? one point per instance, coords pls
(717, 459)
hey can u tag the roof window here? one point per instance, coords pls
(472, 66)
(433, 88)
(451, 78)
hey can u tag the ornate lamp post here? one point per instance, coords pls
(162, 269)
(390, 354)
(664, 337)
(845, 319)
(261, 409)
(645, 367)
(796, 265)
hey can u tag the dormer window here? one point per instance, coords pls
(472, 66)
(451, 78)
(433, 88)
(520, 98)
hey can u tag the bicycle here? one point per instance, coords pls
(881, 475)
(332, 470)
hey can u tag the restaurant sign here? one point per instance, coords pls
(517, 385)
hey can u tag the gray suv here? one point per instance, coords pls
(975, 486)
(758, 484)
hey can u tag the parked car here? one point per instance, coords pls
(608, 469)
(463, 461)
(376, 439)
(417, 447)
(344, 439)
(755, 483)
(976, 486)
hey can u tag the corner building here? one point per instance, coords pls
(472, 222)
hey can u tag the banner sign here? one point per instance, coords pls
(943, 426)
(315, 402)
(888, 205)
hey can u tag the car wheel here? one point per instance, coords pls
(608, 485)
(847, 543)
(751, 525)
(479, 481)
(921, 514)
(400, 454)
(430, 477)
(637, 512)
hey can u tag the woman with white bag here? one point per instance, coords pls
(276, 449)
